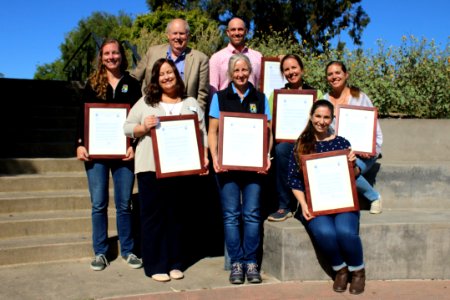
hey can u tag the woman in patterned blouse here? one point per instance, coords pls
(336, 235)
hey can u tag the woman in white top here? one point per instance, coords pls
(161, 200)
(342, 93)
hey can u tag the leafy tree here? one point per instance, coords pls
(150, 29)
(312, 23)
(79, 50)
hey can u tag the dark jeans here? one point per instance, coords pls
(240, 194)
(98, 179)
(284, 193)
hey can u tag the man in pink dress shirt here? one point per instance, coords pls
(218, 63)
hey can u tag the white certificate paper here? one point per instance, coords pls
(272, 77)
(175, 141)
(243, 141)
(291, 114)
(330, 183)
(358, 126)
(106, 135)
(177, 147)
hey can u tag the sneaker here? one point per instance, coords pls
(133, 261)
(280, 215)
(237, 274)
(252, 273)
(375, 206)
(99, 263)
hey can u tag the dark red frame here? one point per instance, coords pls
(265, 138)
(87, 107)
(275, 101)
(351, 174)
(154, 138)
(374, 132)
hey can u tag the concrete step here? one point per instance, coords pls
(21, 202)
(40, 249)
(48, 223)
(398, 244)
(15, 166)
(414, 185)
(58, 181)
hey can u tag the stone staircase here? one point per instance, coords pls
(45, 206)
(44, 211)
(44, 201)
(411, 238)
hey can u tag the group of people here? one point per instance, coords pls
(174, 79)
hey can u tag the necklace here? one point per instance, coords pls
(170, 107)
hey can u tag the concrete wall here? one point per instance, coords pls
(411, 238)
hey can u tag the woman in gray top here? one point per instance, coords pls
(161, 200)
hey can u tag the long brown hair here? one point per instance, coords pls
(154, 91)
(354, 91)
(98, 79)
(306, 142)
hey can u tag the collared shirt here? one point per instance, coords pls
(218, 67)
(179, 62)
(214, 110)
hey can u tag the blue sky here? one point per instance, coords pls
(32, 31)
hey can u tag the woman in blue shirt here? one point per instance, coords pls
(242, 220)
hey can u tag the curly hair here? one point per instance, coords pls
(154, 91)
(98, 79)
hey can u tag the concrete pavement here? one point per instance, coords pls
(206, 279)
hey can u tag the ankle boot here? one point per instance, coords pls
(358, 282)
(341, 280)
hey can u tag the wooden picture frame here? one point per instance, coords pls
(103, 130)
(329, 182)
(358, 124)
(271, 77)
(177, 146)
(291, 110)
(243, 141)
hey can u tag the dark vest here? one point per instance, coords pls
(229, 101)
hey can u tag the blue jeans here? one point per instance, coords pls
(362, 185)
(284, 193)
(242, 218)
(337, 237)
(98, 180)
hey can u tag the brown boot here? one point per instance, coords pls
(341, 280)
(358, 282)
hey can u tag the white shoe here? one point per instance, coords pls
(375, 207)
(176, 274)
(161, 277)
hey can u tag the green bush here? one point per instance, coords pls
(411, 80)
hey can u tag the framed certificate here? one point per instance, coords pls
(271, 77)
(243, 141)
(177, 146)
(291, 110)
(329, 182)
(103, 130)
(358, 124)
